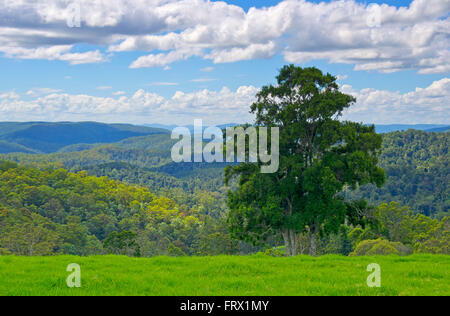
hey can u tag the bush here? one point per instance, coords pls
(276, 252)
(433, 246)
(174, 251)
(380, 247)
(435, 240)
(5, 252)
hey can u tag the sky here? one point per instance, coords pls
(173, 61)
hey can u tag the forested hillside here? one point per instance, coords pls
(417, 165)
(52, 211)
(161, 207)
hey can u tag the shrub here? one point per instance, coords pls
(174, 251)
(433, 246)
(436, 239)
(276, 252)
(380, 247)
(5, 252)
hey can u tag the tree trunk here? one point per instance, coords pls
(291, 242)
(313, 244)
(287, 245)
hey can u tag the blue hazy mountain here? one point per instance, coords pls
(50, 137)
(189, 127)
(42, 137)
(439, 129)
(381, 129)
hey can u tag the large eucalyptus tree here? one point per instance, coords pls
(320, 155)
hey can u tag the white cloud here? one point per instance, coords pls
(142, 107)
(119, 93)
(104, 88)
(201, 80)
(423, 105)
(7, 96)
(57, 52)
(207, 69)
(373, 38)
(42, 91)
(253, 51)
(83, 58)
(155, 60)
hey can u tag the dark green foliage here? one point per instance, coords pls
(417, 166)
(417, 175)
(174, 251)
(319, 156)
(123, 243)
(399, 224)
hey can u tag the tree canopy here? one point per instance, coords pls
(320, 155)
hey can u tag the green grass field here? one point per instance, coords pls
(225, 275)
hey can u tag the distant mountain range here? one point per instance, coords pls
(402, 127)
(189, 127)
(439, 129)
(42, 137)
(379, 128)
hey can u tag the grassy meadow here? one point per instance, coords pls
(225, 275)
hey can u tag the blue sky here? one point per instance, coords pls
(171, 69)
(247, 4)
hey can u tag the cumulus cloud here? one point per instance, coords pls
(59, 52)
(41, 91)
(154, 60)
(142, 107)
(372, 37)
(7, 96)
(423, 105)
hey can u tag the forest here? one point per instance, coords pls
(340, 187)
(52, 211)
(129, 198)
(417, 168)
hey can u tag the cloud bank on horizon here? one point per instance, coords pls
(380, 38)
(224, 106)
